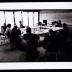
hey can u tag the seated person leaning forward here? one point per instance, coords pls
(8, 32)
(15, 37)
(32, 43)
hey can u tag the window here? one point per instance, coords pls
(18, 18)
(25, 18)
(9, 18)
(2, 19)
(30, 19)
(35, 18)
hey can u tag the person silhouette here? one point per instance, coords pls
(49, 40)
(15, 37)
(4, 27)
(50, 45)
(8, 32)
(32, 43)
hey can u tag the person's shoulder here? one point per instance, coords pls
(47, 36)
(24, 34)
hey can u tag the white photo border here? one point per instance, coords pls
(29, 6)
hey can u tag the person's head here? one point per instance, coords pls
(64, 25)
(9, 25)
(28, 30)
(15, 27)
(59, 21)
(20, 22)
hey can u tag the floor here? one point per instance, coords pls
(9, 55)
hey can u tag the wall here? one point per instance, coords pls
(64, 16)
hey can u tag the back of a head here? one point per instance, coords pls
(14, 31)
(28, 30)
(59, 21)
(50, 31)
(9, 25)
(15, 27)
(64, 25)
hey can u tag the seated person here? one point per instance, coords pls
(49, 41)
(49, 44)
(15, 36)
(65, 29)
(21, 25)
(40, 24)
(8, 32)
(32, 43)
(59, 24)
(3, 28)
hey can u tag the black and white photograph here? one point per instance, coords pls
(35, 35)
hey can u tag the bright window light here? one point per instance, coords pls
(35, 18)
(9, 18)
(18, 18)
(25, 18)
(31, 19)
(2, 19)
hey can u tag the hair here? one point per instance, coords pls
(15, 27)
(9, 25)
(59, 21)
(28, 30)
(64, 25)
(51, 31)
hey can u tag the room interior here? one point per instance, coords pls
(40, 21)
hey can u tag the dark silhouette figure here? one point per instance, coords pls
(49, 40)
(15, 37)
(66, 30)
(45, 22)
(55, 23)
(21, 24)
(61, 41)
(62, 35)
(8, 30)
(40, 24)
(59, 23)
(4, 28)
(32, 43)
(50, 45)
(67, 48)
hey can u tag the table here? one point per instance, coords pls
(41, 30)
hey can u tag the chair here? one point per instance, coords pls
(3, 39)
(51, 53)
(52, 56)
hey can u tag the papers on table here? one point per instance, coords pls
(40, 29)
